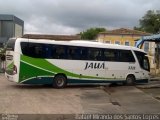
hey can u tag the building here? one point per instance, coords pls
(154, 51)
(10, 26)
(52, 37)
(121, 36)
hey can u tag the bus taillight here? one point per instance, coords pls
(14, 69)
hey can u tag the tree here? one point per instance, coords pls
(91, 33)
(150, 22)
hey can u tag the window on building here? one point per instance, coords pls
(126, 43)
(146, 46)
(135, 43)
(108, 42)
(117, 42)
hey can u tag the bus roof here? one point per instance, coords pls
(84, 43)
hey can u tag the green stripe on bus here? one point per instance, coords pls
(29, 71)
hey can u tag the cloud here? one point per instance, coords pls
(73, 16)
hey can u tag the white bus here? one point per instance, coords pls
(32, 61)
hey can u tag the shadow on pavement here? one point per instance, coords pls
(26, 86)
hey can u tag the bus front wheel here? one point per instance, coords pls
(130, 80)
(59, 81)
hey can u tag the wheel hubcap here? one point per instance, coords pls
(60, 82)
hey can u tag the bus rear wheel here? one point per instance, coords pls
(59, 81)
(130, 80)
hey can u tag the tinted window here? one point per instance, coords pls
(143, 60)
(118, 55)
(94, 54)
(110, 55)
(126, 56)
(58, 52)
(38, 50)
(35, 50)
(73, 53)
(83, 53)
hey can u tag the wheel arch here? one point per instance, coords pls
(61, 74)
(130, 74)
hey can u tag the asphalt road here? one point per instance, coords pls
(33, 99)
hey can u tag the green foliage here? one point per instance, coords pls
(91, 34)
(150, 22)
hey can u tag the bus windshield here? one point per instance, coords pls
(143, 60)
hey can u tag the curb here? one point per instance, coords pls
(148, 86)
(155, 78)
(157, 97)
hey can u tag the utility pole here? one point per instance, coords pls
(157, 57)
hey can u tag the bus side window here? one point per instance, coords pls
(84, 53)
(92, 53)
(77, 53)
(70, 52)
(100, 56)
(47, 50)
(126, 56)
(38, 52)
(110, 55)
(34, 50)
(54, 54)
(61, 52)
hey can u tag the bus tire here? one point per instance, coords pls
(59, 81)
(130, 80)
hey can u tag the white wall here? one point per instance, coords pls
(18, 30)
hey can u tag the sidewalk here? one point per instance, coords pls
(148, 86)
(155, 78)
(153, 83)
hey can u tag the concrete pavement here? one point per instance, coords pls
(31, 99)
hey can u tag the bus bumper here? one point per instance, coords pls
(9, 77)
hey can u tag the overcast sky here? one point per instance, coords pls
(73, 16)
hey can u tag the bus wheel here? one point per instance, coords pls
(59, 81)
(130, 80)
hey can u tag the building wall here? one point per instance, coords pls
(18, 30)
(10, 26)
(0, 28)
(112, 39)
(7, 29)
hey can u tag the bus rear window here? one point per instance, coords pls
(11, 44)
